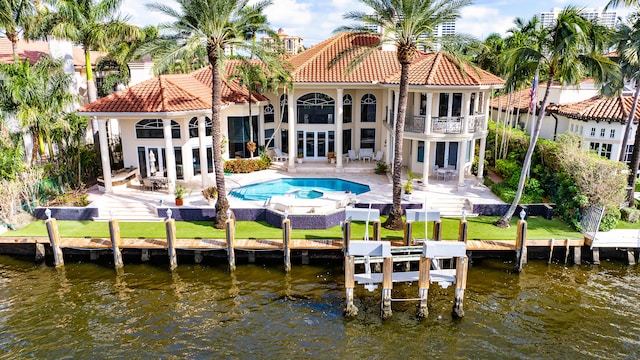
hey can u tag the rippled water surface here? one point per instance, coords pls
(201, 311)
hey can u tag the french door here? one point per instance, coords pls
(317, 144)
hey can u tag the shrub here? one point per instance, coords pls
(247, 165)
(610, 218)
(630, 214)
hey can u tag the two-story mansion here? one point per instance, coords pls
(165, 124)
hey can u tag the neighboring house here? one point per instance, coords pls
(600, 120)
(290, 43)
(328, 110)
(514, 106)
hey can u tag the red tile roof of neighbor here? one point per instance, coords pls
(513, 101)
(600, 108)
(34, 50)
(170, 93)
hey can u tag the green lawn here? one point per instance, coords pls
(479, 228)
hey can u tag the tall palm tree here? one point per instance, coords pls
(94, 25)
(213, 26)
(15, 16)
(409, 24)
(37, 95)
(570, 50)
(253, 77)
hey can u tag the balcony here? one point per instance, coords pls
(444, 125)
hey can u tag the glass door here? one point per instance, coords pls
(318, 143)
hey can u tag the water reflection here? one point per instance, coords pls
(144, 311)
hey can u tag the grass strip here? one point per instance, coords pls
(480, 228)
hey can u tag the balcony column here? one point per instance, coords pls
(426, 162)
(427, 117)
(462, 155)
(104, 155)
(466, 104)
(204, 162)
(169, 154)
(476, 103)
(293, 152)
(339, 120)
(485, 110)
(483, 147)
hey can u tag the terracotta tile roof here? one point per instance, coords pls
(312, 66)
(601, 108)
(169, 93)
(513, 101)
(33, 50)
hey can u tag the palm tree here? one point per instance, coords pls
(93, 25)
(213, 26)
(15, 16)
(409, 25)
(37, 95)
(570, 50)
(251, 76)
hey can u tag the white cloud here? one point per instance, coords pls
(481, 21)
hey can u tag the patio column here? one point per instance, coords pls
(466, 105)
(462, 156)
(170, 154)
(483, 146)
(426, 162)
(339, 120)
(476, 103)
(485, 111)
(204, 164)
(427, 117)
(104, 155)
(293, 152)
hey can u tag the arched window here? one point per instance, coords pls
(315, 108)
(284, 108)
(368, 108)
(193, 127)
(347, 108)
(152, 129)
(269, 113)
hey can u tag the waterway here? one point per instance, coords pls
(87, 310)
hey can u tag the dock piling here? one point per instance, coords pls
(437, 230)
(114, 232)
(631, 256)
(286, 242)
(566, 252)
(40, 252)
(145, 255)
(197, 257)
(349, 283)
(346, 236)
(551, 250)
(231, 229)
(424, 269)
(462, 267)
(521, 244)
(387, 286)
(577, 254)
(54, 238)
(596, 255)
(170, 225)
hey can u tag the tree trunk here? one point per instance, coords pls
(630, 117)
(222, 205)
(394, 221)
(635, 156)
(506, 218)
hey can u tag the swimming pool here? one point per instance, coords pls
(302, 188)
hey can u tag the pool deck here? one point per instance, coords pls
(445, 195)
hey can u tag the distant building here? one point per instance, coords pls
(292, 44)
(605, 18)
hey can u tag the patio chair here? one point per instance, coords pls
(279, 155)
(378, 156)
(148, 184)
(352, 155)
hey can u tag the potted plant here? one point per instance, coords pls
(179, 193)
(331, 156)
(408, 187)
(300, 156)
(251, 147)
(210, 194)
(381, 168)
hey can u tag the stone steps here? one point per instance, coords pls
(125, 210)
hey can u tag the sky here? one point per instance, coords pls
(315, 20)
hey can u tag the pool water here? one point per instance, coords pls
(304, 188)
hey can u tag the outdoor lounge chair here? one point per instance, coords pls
(378, 156)
(366, 154)
(148, 184)
(279, 155)
(352, 155)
